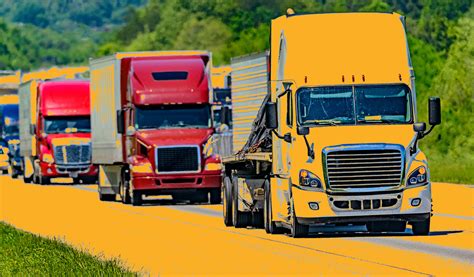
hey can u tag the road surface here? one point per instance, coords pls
(165, 238)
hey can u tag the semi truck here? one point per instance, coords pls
(152, 125)
(9, 133)
(328, 134)
(55, 131)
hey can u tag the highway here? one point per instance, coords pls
(167, 238)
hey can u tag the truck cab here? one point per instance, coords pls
(336, 138)
(9, 116)
(58, 113)
(164, 125)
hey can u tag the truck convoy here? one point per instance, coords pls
(55, 131)
(333, 133)
(151, 125)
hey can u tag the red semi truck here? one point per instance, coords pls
(55, 131)
(152, 126)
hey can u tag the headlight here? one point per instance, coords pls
(310, 180)
(48, 158)
(418, 176)
(143, 168)
(213, 166)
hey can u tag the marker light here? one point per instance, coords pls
(314, 206)
(213, 166)
(143, 168)
(415, 202)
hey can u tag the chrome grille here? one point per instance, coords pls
(76, 154)
(364, 168)
(178, 159)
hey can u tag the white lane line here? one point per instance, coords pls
(461, 255)
(465, 256)
(463, 217)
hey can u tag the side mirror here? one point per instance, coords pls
(225, 118)
(131, 131)
(120, 122)
(32, 129)
(271, 116)
(419, 127)
(302, 130)
(434, 108)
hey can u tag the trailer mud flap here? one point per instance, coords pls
(109, 176)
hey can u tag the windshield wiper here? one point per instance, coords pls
(378, 121)
(323, 122)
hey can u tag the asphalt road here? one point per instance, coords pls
(167, 238)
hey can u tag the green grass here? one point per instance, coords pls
(25, 254)
(452, 171)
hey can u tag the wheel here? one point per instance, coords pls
(269, 224)
(5, 171)
(125, 189)
(136, 198)
(421, 228)
(298, 230)
(386, 226)
(44, 180)
(106, 197)
(227, 202)
(240, 219)
(27, 180)
(216, 197)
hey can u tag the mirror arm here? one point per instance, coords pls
(278, 135)
(310, 150)
(429, 131)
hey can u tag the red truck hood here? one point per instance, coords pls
(67, 139)
(168, 137)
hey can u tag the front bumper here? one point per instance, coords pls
(164, 183)
(54, 171)
(329, 212)
(4, 165)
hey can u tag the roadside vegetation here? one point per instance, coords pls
(440, 34)
(25, 254)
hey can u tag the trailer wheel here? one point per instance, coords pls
(106, 197)
(421, 228)
(27, 180)
(227, 202)
(136, 198)
(240, 219)
(270, 226)
(215, 197)
(298, 230)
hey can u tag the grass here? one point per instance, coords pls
(450, 171)
(25, 254)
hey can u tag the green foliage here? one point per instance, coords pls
(24, 254)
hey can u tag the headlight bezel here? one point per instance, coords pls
(418, 177)
(47, 158)
(309, 180)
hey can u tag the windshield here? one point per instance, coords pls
(354, 105)
(11, 130)
(173, 116)
(67, 124)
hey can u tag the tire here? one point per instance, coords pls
(386, 226)
(240, 219)
(125, 189)
(27, 180)
(106, 197)
(298, 230)
(5, 172)
(227, 202)
(136, 198)
(215, 196)
(421, 228)
(269, 224)
(44, 180)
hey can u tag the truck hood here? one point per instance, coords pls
(68, 139)
(167, 137)
(362, 134)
